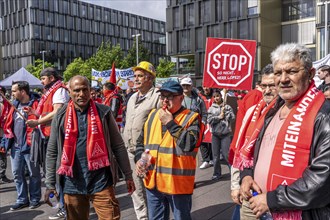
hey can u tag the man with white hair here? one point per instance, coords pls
(286, 160)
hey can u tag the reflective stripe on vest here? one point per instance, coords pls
(172, 171)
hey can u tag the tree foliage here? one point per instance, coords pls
(36, 68)
(105, 55)
(165, 68)
(130, 59)
(77, 67)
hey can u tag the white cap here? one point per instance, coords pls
(186, 81)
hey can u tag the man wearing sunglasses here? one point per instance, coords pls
(172, 134)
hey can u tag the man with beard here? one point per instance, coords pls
(54, 97)
(19, 143)
(138, 108)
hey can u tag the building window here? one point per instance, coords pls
(98, 14)
(199, 38)
(185, 39)
(189, 18)
(114, 17)
(205, 12)
(297, 33)
(83, 10)
(218, 6)
(133, 21)
(253, 29)
(294, 10)
(233, 7)
(252, 7)
(176, 17)
(243, 29)
(74, 9)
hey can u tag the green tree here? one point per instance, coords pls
(165, 68)
(130, 59)
(105, 55)
(77, 67)
(36, 68)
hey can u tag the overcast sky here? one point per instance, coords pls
(149, 8)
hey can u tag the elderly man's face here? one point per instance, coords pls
(268, 88)
(291, 80)
(142, 79)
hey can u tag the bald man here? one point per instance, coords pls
(84, 140)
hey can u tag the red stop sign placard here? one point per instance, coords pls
(229, 63)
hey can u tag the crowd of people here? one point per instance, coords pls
(83, 139)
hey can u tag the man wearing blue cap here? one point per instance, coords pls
(172, 134)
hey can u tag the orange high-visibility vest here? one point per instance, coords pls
(172, 171)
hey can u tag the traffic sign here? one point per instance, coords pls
(229, 63)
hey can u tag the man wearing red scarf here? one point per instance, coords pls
(82, 146)
(19, 143)
(253, 107)
(54, 97)
(113, 99)
(286, 160)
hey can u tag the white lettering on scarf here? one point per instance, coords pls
(254, 117)
(69, 124)
(93, 122)
(292, 132)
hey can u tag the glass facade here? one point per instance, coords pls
(187, 31)
(69, 29)
(268, 22)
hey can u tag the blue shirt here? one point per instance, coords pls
(85, 181)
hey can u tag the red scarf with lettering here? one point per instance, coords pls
(96, 149)
(292, 147)
(49, 92)
(247, 131)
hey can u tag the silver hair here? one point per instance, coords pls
(290, 52)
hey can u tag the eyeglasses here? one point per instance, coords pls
(169, 97)
(289, 72)
(264, 86)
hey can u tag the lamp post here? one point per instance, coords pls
(137, 47)
(43, 58)
(326, 38)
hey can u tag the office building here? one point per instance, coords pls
(269, 23)
(67, 29)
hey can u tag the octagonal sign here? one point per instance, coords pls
(229, 63)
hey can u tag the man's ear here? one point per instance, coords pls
(311, 73)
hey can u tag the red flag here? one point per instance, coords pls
(113, 74)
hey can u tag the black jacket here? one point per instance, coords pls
(311, 192)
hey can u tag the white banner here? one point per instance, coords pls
(124, 77)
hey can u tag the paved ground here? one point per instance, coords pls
(211, 200)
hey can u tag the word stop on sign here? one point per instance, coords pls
(233, 61)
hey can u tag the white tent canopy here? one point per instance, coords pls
(22, 75)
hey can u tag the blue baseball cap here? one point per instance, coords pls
(171, 86)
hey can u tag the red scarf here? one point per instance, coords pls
(97, 152)
(4, 113)
(247, 131)
(49, 92)
(292, 147)
(108, 94)
(7, 128)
